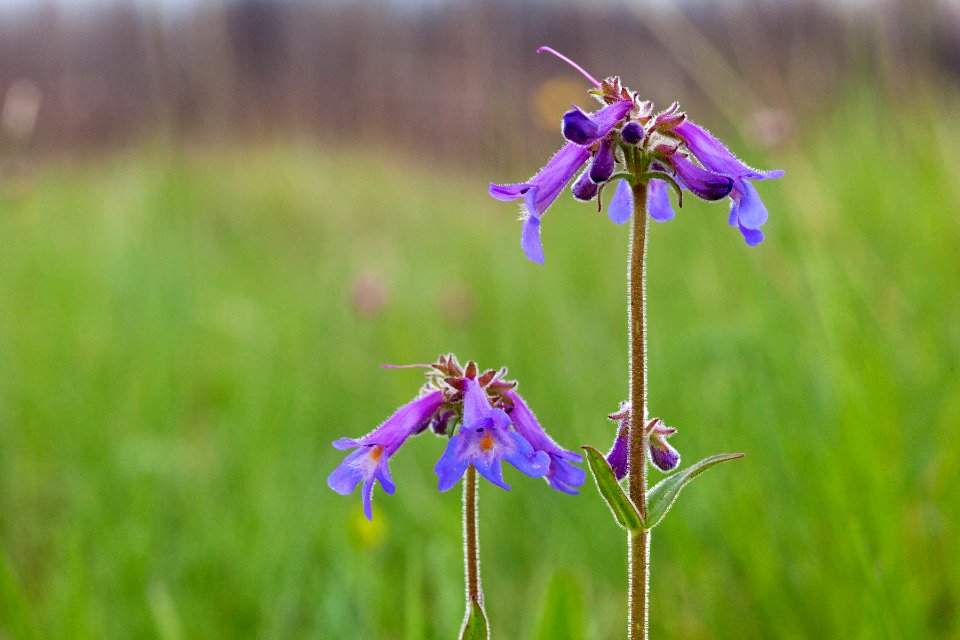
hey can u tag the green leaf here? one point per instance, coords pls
(475, 623)
(623, 510)
(662, 495)
(562, 617)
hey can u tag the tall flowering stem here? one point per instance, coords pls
(638, 543)
(642, 155)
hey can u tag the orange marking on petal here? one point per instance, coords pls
(486, 443)
(376, 451)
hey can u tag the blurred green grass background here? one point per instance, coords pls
(180, 343)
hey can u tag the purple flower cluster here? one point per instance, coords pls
(661, 453)
(659, 150)
(487, 422)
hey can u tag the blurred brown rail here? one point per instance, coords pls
(457, 81)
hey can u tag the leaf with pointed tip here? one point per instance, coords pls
(623, 510)
(475, 625)
(661, 496)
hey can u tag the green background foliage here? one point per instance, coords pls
(179, 346)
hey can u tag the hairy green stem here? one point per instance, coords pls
(471, 542)
(638, 545)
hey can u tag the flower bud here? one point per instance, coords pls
(584, 188)
(632, 132)
(603, 162)
(578, 127)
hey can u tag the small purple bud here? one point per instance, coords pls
(603, 162)
(663, 456)
(632, 132)
(578, 127)
(617, 458)
(584, 188)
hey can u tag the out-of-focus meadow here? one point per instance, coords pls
(189, 316)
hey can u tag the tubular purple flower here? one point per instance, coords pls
(540, 191)
(701, 182)
(747, 211)
(369, 463)
(561, 475)
(585, 129)
(717, 158)
(603, 162)
(484, 441)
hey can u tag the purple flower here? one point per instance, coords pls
(628, 142)
(662, 455)
(747, 211)
(539, 192)
(561, 475)
(369, 462)
(484, 440)
(470, 408)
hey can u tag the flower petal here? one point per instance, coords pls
(522, 455)
(564, 476)
(714, 156)
(509, 191)
(368, 498)
(451, 465)
(554, 176)
(347, 475)
(753, 237)
(560, 473)
(492, 470)
(530, 239)
(621, 204)
(702, 183)
(658, 201)
(475, 403)
(750, 211)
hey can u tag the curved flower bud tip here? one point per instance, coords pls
(571, 63)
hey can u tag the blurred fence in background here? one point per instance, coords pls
(458, 81)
